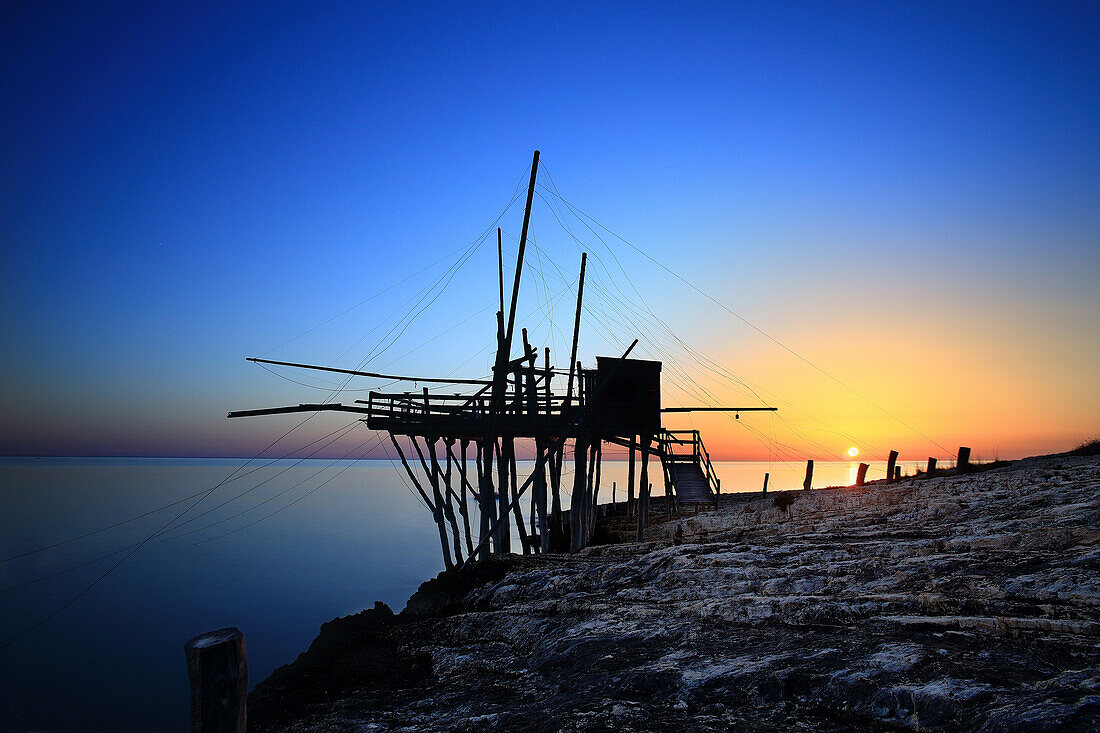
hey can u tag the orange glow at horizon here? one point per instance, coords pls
(918, 395)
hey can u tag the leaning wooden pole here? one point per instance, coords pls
(437, 502)
(500, 268)
(576, 334)
(448, 507)
(522, 247)
(437, 513)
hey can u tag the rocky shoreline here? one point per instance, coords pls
(965, 602)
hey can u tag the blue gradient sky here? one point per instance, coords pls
(906, 194)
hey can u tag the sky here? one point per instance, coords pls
(883, 218)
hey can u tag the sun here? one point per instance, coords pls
(853, 451)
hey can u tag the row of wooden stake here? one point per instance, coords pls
(893, 471)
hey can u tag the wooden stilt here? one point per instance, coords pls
(439, 492)
(590, 490)
(517, 510)
(540, 496)
(463, 505)
(643, 494)
(808, 482)
(487, 506)
(504, 536)
(437, 512)
(578, 502)
(558, 541)
(452, 496)
(861, 474)
(766, 477)
(630, 481)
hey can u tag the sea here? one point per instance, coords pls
(108, 565)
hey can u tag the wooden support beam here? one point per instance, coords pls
(891, 461)
(766, 477)
(448, 507)
(517, 509)
(437, 503)
(590, 505)
(931, 467)
(597, 463)
(540, 496)
(807, 483)
(630, 482)
(861, 474)
(644, 489)
(578, 502)
(666, 473)
(464, 446)
(487, 506)
(437, 514)
(554, 457)
(897, 473)
(504, 536)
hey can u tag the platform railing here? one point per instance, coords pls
(670, 440)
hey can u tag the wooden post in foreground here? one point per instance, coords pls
(809, 475)
(890, 463)
(931, 467)
(963, 462)
(897, 473)
(217, 668)
(766, 475)
(861, 474)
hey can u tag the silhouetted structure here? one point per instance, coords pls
(618, 402)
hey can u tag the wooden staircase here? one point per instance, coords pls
(688, 467)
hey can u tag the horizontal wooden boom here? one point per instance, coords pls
(719, 409)
(396, 377)
(336, 406)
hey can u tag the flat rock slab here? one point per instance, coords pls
(955, 603)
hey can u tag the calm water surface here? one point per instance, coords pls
(114, 659)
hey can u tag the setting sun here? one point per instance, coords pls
(853, 451)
